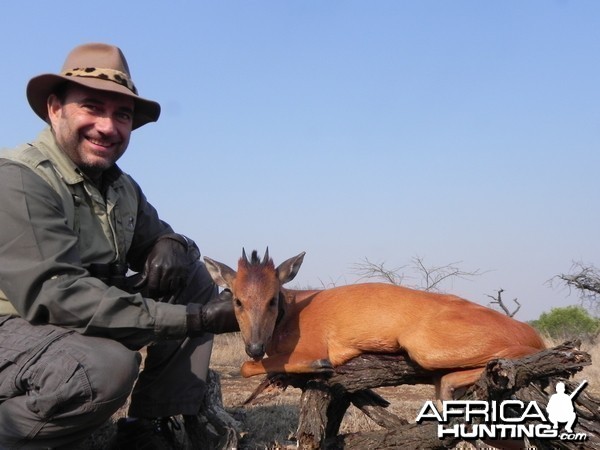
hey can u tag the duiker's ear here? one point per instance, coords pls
(288, 269)
(221, 274)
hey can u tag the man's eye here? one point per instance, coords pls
(125, 117)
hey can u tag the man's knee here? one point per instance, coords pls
(75, 385)
(111, 370)
(84, 374)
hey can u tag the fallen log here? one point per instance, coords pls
(325, 400)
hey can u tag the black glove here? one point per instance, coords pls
(168, 265)
(216, 316)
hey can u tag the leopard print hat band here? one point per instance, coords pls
(103, 74)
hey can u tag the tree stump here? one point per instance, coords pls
(219, 430)
(325, 400)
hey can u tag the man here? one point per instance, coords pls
(71, 321)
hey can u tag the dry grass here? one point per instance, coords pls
(270, 423)
(228, 350)
(590, 373)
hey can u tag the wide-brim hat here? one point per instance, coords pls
(96, 66)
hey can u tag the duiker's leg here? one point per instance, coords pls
(449, 383)
(295, 363)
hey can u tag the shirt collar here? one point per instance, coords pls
(67, 169)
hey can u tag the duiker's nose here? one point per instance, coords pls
(256, 350)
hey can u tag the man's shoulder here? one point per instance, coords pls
(27, 154)
(31, 165)
(15, 172)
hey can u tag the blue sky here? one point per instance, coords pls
(457, 131)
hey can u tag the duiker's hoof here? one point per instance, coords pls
(322, 366)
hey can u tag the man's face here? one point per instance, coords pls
(92, 127)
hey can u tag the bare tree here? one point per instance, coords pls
(429, 278)
(367, 269)
(497, 300)
(586, 279)
(433, 276)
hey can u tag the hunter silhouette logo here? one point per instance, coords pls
(507, 419)
(560, 406)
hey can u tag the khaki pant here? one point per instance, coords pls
(57, 386)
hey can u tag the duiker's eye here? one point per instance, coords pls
(237, 303)
(273, 302)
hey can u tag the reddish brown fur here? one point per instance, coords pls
(439, 332)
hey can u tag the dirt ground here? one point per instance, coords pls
(271, 421)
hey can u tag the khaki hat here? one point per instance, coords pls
(97, 66)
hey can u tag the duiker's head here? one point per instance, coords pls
(255, 287)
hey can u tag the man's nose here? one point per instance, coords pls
(106, 124)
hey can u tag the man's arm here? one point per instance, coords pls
(42, 274)
(162, 257)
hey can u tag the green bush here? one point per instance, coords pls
(571, 322)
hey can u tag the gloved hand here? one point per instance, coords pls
(216, 316)
(168, 264)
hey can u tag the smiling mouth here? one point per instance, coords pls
(99, 143)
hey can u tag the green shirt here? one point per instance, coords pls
(55, 222)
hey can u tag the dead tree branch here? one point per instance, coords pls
(497, 300)
(585, 278)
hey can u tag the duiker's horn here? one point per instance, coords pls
(266, 257)
(244, 255)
